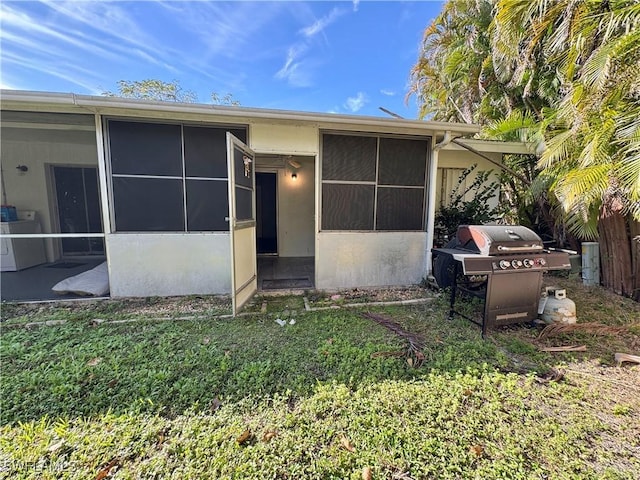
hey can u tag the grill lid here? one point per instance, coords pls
(498, 239)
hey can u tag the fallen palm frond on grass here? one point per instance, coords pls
(625, 357)
(594, 328)
(566, 348)
(416, 345)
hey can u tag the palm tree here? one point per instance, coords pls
(592, 155)
(454, 68)
(456, 79)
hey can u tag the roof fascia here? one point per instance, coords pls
(64, 102)
(493, 146)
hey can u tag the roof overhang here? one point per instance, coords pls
(493, 146)
(31, 101)
(73, 103)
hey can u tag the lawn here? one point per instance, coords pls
(167, 388)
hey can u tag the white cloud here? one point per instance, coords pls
(296, 71)
(356, 3)
(354, 104)
(293, 70)
(4, 85)
(388, 93)
(319, 25)
(70, 73)
(31, 33)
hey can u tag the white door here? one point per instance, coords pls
(242, 222)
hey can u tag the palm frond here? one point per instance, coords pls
(560, 147)
(583, 186)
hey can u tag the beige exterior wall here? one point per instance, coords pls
(282, 138)
(142, 265)
(370, 259)
(461, 159)
(296, 204)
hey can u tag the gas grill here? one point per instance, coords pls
(502, 264)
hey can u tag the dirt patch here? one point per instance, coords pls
(322, 298)
(151, 306)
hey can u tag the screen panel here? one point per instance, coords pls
(402, 162)
(148, 204)
(244, 204)
(349, 158)
(205, 150)
(400, 209)
(207, 206)
(347, 207)
(145, 148)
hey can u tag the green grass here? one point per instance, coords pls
(169, 399)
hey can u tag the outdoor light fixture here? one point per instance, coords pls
(294, 176)
(22, 168)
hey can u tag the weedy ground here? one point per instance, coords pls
(165, 388)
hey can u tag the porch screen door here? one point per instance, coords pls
(242, 221)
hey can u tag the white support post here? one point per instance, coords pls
(102, 177)
(431, 208)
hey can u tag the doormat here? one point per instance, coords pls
(283, 283)
(65, 265)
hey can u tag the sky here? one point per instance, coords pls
(348, 57)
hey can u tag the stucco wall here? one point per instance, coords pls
(463, 159)
(37, 149)
(284, 138)
(369, 259)
(149, 264)
(296, 203)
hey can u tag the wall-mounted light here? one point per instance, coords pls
(22, 168)
(294, 177)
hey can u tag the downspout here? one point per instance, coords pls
(431, 202)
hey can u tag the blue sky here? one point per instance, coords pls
(340, 57)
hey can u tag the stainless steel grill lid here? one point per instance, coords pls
(498, 239)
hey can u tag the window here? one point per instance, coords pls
(373, 183)
(169, 177)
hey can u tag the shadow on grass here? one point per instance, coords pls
(169, 367)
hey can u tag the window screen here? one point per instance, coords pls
(244, 204)
(205, 150)
(399, 208)
(351, 158)
(148, 204)
(159, 172)
(402, 162)
(207, 205)
(358, 171)
(347, 207)
(145, 148)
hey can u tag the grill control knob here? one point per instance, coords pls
(516, 263)
(541, 261)
(528, 263)
(504, 264)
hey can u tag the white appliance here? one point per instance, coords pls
(20, 253)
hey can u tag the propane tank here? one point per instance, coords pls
(556, 307)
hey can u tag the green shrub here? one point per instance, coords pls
(468, 212)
